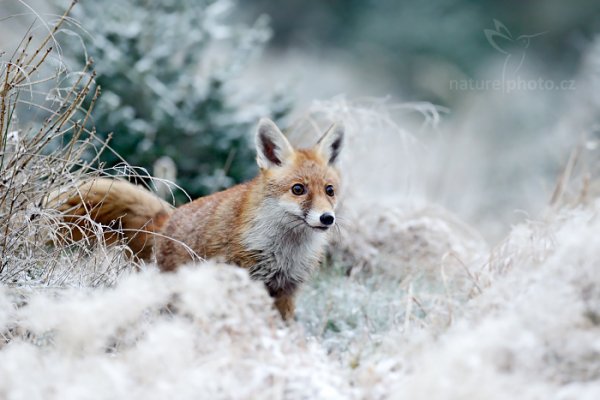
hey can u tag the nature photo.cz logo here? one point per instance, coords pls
(514, 48)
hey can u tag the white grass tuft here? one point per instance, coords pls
(531, 334)
(205, 330)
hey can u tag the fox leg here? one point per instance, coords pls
(285, 305)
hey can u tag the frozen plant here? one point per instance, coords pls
(42, 142)
(172, 81)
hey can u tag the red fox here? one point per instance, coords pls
(274, 225)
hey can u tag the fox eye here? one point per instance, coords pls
(298, 189)
(329, 190)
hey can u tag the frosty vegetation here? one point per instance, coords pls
(43, 139)
(411, 302)
(172, 81)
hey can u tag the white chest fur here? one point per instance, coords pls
(288, 249)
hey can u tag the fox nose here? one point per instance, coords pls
(327, 219)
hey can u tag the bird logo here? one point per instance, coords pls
(514, 48)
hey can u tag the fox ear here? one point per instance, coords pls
(331, 142)
(272, 148)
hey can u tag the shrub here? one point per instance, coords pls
(171, 79)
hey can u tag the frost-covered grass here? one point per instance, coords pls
(533, 333)
(46, 148)
(204, 332)
(208, 331)
(411, 268)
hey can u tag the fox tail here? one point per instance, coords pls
(126, 213)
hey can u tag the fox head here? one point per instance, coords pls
(304, 183)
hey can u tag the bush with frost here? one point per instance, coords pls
(172, 80)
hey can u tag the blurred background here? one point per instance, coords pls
(414, 49)
(509, 87)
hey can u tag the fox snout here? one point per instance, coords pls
(320, 220)
(327, 218)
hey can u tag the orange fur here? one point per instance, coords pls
(126, 212)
